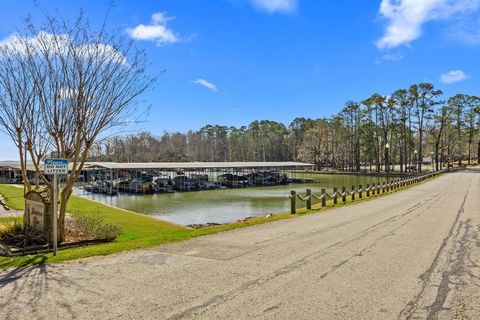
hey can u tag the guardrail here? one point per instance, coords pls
(374, 189)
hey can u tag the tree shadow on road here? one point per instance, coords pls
(28, 290)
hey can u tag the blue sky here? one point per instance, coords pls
(233, 61)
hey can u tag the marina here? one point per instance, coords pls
(167, 177)
(199, 192)
(223, 205)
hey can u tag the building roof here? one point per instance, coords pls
(15, 165)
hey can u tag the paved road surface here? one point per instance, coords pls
(4, 213)
(412, 255)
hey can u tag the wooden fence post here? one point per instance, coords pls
(324, 196)
(360, 192)
(353, 193)
(309, 200)
(383, 187)
(344, 195)
(293, 202)
(368, 190)
(335, 195)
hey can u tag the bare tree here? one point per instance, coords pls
(85, 84)
(424, 100)
(471, 115)
(16, 101)
(441, 118)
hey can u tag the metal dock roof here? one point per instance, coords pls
(193, 165)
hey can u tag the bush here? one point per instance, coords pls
(92, 226)
(15, 233)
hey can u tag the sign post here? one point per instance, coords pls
(55, 167)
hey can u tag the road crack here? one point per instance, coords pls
(449, 260)
(229, 295)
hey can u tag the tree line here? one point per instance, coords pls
(401, 129)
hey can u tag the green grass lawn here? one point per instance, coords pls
(138, 231)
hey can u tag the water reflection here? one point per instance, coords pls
(222, 206)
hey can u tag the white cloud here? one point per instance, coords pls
(58, 44)
(206, 84)
(466, 30)
(157, 31)
(453, 76)
(272, 6)
(406, 17)
(392, 57)
(161, 18)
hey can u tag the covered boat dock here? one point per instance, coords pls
(10, 172)
(150, 177)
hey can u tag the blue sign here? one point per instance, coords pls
(56, 166)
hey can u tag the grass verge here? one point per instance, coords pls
(138, 231)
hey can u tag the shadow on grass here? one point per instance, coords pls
(27, 262)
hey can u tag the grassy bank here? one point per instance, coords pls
(138, 231)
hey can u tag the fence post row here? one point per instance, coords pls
(370, 189)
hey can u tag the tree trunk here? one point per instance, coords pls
(402, 155)
(470, 142)
(23, 170)
(420, 150)
(478, 151)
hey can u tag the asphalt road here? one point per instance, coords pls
(411, 255)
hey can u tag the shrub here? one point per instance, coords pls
(92, 226)
(15, 233)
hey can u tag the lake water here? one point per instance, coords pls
(226, 205)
